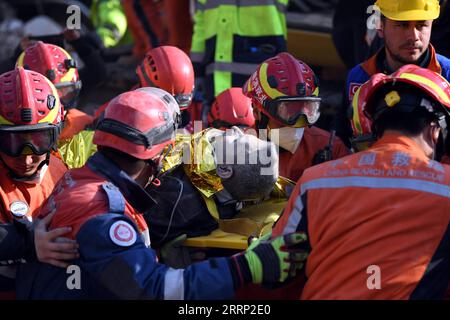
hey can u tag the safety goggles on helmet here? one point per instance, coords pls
(68, 91)
(183, 99)
(148, 139)
(289, 109)
(41, 139)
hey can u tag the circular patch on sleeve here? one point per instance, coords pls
(19, 209)
(122, 233)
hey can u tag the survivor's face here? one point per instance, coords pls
(406, 41)
(23, 165)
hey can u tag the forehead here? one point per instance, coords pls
(412, 22)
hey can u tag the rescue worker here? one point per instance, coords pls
(113, 237)
(284, 93)
(59, 67)
(231, 108)
(30, 116)
(405, 26)
(179, 23)
(169, 69)
(231, 39)
(146, 24)
(110, 22)
(382, 229)
(158, 23)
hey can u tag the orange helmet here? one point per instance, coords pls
(30, 112)
(137, 123)
(170, 69)
(285, 89)
(366, 104)
(57, 65)
(231, 108)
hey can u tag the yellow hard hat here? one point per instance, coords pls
(409, 10)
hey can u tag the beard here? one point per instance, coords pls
(402, 60)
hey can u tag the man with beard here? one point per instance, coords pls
(405, 26)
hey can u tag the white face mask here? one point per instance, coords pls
(288, 138)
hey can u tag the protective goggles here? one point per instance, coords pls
(68, 91)
(288, 110)
(148, 139)
(183, 99)
(41, 139)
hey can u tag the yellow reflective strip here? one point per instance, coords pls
(273, 93)
(356, 120)
(427, 82)
(316, 92)
(69, 75)
(51, 116)
(4, 121)
(19, 62)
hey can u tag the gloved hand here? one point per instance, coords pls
(172, 253)
(271, 261)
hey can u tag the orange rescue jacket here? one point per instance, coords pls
(26, 198)
(314, 139)
(378, 224)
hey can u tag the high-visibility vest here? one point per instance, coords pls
(232, 37)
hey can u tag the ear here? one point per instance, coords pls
(224, 171)
(435, 131)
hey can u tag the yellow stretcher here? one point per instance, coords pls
(254, 220)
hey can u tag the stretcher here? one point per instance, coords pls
(253, 221)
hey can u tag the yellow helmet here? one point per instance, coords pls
(409, 10)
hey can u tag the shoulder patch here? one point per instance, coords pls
(352, 90)
(122, 233)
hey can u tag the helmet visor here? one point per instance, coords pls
(289, 110)
(68, 91)
(183, 99)
(40, 141)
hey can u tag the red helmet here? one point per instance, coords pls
(231, 108)
(170, 69)
(284, 89)
(57, 65)
(30, 112)
(137, 123)
(363, 137)
(365, 108)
